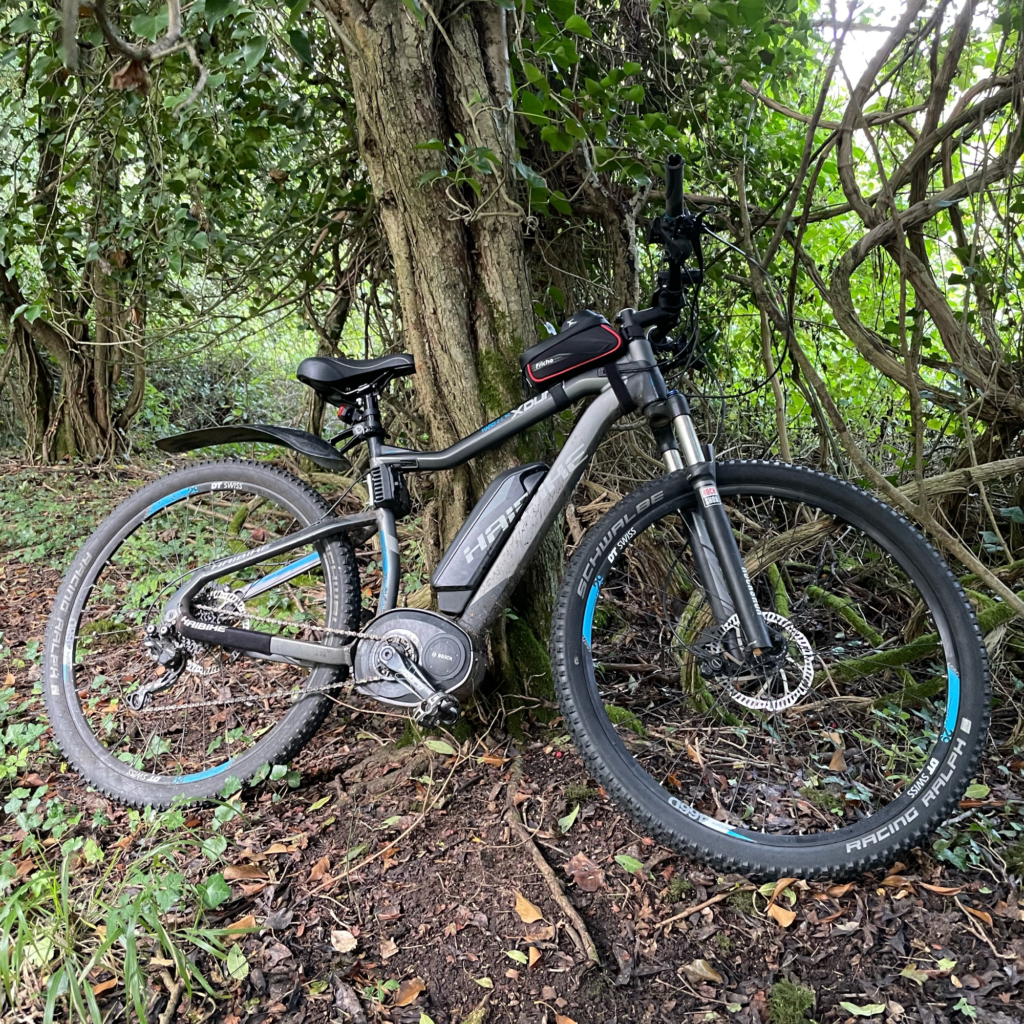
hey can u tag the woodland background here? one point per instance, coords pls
(195, 196)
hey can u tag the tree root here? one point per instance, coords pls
(408, 761)
(577, 928)
(175, 990)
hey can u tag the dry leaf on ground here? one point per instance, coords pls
(781, 914)
(343, 940)
(528, 912)
(408, 991)
(235, 872)
(701, 970)
(584, 872)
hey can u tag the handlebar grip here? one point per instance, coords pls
(674, 185)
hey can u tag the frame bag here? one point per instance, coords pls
(586, 339)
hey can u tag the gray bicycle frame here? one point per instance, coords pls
(642, 378)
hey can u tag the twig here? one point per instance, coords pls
(691, 910)
(175, 990)
(580, 935)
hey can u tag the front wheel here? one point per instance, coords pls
(848, 745)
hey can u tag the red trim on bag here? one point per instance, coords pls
(603, 355)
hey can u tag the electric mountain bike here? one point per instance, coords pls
(764, 666)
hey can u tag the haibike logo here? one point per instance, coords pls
(624, 522)
(205, 627)
(496, 529)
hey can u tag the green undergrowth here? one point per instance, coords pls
(788, 1003)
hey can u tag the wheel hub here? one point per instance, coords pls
(779, 680)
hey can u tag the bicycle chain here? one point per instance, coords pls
(254, 698)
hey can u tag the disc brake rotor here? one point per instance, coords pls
(778, 686)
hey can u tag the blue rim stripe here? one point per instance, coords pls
(170, 499)
(209, 773)
(952, 703)
(588, 615)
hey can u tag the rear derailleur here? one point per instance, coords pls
(163, 648)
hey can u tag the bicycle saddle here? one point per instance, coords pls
(340, 379)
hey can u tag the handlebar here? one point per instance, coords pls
(674, 185)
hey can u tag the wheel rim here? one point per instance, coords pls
(868, 741)
(216, 717)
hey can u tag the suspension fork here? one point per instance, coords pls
(716, 554)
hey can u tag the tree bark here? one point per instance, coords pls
(459, 257)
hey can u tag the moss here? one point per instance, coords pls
(742, 900)
(821, 798)
(1013, 856)
(531, 671)
(577, 794)
(678, 887)
(620, 716)
(778, 586)
(410, 735)
(499, 382)
(787, 1003)
(101, 632)
(848, 613)
(724, 941)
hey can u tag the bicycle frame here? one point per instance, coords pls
(716, 555)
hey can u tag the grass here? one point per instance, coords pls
(79, 922)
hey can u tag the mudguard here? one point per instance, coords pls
(313, 447)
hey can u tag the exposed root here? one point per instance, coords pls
(577, 929)
(175, 990)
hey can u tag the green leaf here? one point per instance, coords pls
(977, 791)
(435, 144)
(569, 820)
(579, 26)
(631, 68)
(232, 785)
(562, 9)
(214, 847)
(319, 803)
(149, 26)
(701, 12)
(439, 747)
(279, 771)
(253, 51)
(635, 94)
(556, 138)
(416, 10)
(1016, 514)
(215, 891)
(237, 965)
(868, 1010)
(530, 175)
(92, 851)
(914, 974)
(630, 864)
(299, 42)
(23, 23)
(217, 9)
(517, 955)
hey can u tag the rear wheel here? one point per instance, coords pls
(227, 714)
(846, 747)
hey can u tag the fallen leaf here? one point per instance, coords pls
(527, 911)
(780, 887)
(838, 762)
(495, 759)
(539, 931)
(535, 955)
(104, 986)
(560, 1018)
(894, 881)
(914, 974)
(240, 928)
(701, 970)
(408, 991)
(319, 869)
(439, 747)
(584, 872)
(955, 981)
(511, 973)
(485, 982)
(630, 864)
(868, 1010)
(518, 955)
(343, 940)
(278, 848)
(9, 681)
(835, 891)
(981, 915)
(388, 948)
(943, 890)
(781, 914)
(234, 872)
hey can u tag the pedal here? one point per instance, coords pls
(440, 709)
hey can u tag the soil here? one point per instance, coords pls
(392, 884)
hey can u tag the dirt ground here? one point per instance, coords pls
(413, 884)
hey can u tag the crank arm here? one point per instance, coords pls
(435, 707)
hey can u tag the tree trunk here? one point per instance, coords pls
(459, 258)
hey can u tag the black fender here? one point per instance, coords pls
(313, 447)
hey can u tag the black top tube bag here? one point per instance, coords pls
(586, 339)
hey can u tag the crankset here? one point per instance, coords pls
(435, 706)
